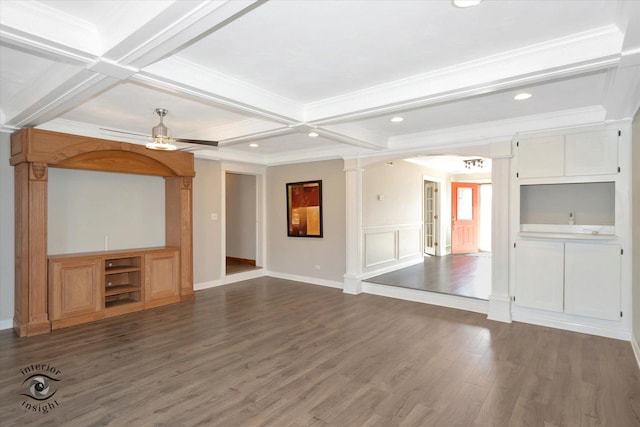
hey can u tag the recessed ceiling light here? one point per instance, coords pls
(313, 134)
(397, 119)
(522, 96)
(254, 145)
(466, 3)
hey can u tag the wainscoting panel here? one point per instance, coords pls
(380, 247)
(409, 242)
(390, 245)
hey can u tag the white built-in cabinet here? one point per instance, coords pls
(586, 153)
(540, 274)
(579, 278)
(592, 280)
(568, 256)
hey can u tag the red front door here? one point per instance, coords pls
(464, 218)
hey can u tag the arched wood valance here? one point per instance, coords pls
(81, 152)
(33, 151)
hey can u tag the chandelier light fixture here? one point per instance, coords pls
(472, 164)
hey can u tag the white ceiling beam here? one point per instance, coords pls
(178, 26)
(148, 44)
(567, 56)
(257, 136)
(346, 139)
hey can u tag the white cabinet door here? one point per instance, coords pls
(541, 157)
(540, 274)
(592, 280)
(591, 153)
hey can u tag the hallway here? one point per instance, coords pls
(466, 275)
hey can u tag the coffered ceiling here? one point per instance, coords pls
(269, 72)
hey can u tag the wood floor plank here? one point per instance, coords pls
(272, 352)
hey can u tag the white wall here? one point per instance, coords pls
(299, 256)
(635, 218)
(240, 216)
(401, 187)
(207, 232)
(6, 234)
(85, 207)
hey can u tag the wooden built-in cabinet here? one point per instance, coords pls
(91, 286)
(76, 293)
(123, 291)
(161, 273)
(56, 291)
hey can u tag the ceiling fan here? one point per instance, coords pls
(160, 139)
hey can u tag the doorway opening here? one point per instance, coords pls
(431, 217)
(240, 225)
(470, 217)
(456, 204)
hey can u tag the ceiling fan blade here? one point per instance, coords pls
(196, 141)
(125, 132)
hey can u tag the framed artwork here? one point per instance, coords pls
(304, 209)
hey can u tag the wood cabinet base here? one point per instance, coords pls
(76, 320)
(92, 286)
(31, 329)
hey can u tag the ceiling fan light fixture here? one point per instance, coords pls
(161, 145)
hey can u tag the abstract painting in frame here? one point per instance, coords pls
(304, 209)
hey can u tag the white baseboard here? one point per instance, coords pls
(636, 349)
(389, 268)
(499, 308)
(305, 279)
(245, 275)
(566, 325)
(206, 285)
(6, 324)
(451, 301)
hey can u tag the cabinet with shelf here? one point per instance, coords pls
(91, 286)
(123, 284)
(568, 226)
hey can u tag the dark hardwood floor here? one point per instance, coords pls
(271, 352)
(463, 275)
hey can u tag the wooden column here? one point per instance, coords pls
(179, 229)
(31, 311)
